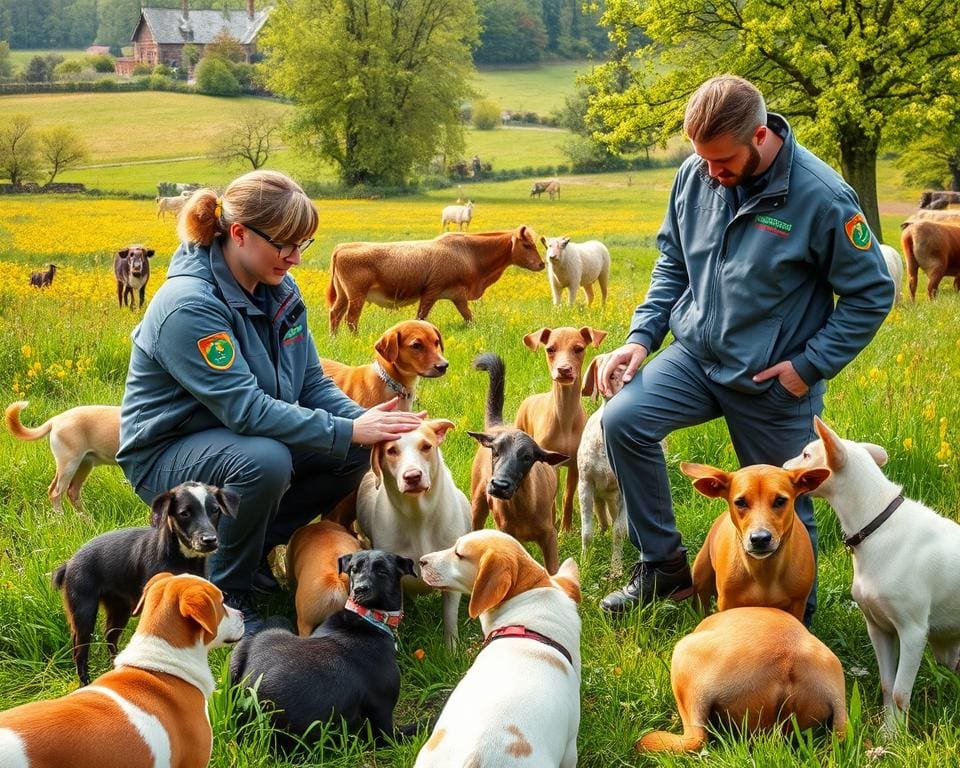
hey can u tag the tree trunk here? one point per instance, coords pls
(858, 163)
(954, 176)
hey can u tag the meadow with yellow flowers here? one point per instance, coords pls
(69, 345)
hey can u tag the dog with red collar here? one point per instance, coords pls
(519, 704)
(151, 709)
(347, 668)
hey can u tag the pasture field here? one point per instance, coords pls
(69, 345)
(21, 57)
(539, 88)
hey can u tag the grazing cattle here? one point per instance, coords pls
(938, 199)
(457, 214)
(570, 265)
(934, 248)
(132, 270)
(43, 279)
(170, 205)
(453, 266)
(550, 186)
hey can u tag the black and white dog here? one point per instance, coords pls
(113, 568)
(346, 668)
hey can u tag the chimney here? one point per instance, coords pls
(250, 11)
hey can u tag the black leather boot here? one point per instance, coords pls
(651, 581)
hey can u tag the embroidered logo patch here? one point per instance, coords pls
(858, 232)
(772, 224)
(294, 334)
(217, 350)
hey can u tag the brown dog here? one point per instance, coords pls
(314, 575)
(555, 419)
(80, 439)
(758, 666)
(404, 353)
(759, 554)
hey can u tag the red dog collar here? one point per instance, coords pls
(390, 619)
(518, 630)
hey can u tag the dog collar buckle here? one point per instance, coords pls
(392, 384)
(518, 630)
(853, 541)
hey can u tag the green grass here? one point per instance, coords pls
(902, 386)
(21, 57)
(539, 89)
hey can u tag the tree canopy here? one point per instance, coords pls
(377, 84)
(850, 74)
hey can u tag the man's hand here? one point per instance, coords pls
(787, 377)
(383, 422)
(624, 360)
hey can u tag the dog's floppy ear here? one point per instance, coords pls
(832, 444)
(483, 438)
(877, 453)
(146, 588)
(806, 480)
(568, 579)
(229, 502)
(343, 563)
(197, 603)
(535, 339)
(160, 508)
(590, 379)
(593, 335)
(710, 481)
(439, 336)
(388, 346)
(496, 575)
(405, 566)
(551, 457)
(376, 460)
(440, 427)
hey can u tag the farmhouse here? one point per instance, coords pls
(161, 33)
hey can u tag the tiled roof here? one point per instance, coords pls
(168, 25)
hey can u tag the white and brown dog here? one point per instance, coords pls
(906, 564)
(151, 709)
(409, 504)
(519, 704)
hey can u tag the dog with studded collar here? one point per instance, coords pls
(346, 668)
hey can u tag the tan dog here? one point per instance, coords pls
(555, 419)
(759, 554)
(151, 709)
(519, 704)
(312, 570)
(758, 666)
(80, 439)
(404, 353)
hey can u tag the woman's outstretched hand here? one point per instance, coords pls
(384, 422)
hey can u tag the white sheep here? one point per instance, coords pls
(457, 214)
(895, 267)
(571, 265)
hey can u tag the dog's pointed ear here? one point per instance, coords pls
(157, 577)
(877, 453)
(483, 438)
(229, 502)
(833, 447)
(535, 339)
(593, 335)
(589, 380)
(807, 480)
(710, 481)
(376, 461)
(343, 563)
(496, 575)
(440, 427)
(568, 579)
(197, 603)
(551, 457)
(406, 566)
(388, 346)
(160, 508)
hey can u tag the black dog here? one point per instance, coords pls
(113, 568)
(347, 668)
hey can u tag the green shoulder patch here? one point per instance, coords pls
(858, 232)
(217, 350)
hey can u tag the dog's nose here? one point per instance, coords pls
(413, 475)
(442, 367)
(760, 539)
(565, 370)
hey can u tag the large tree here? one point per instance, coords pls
(19, 157)
(61, 148)
(848, 72)
(250, 139)
(377, 84)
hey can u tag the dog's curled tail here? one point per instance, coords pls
(493, 364)
(692, 740)
(12, 417)
(59, 575)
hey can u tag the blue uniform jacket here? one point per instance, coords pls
(206, 356)
(745, 287)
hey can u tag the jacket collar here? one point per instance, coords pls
(235, 296)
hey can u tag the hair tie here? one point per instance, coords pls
(218, 211)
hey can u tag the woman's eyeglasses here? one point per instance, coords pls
(284, 250)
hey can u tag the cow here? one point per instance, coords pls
(132, 270)
(550, 186)
(934, 248)
(171, 204)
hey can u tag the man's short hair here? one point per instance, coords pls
(725, 104)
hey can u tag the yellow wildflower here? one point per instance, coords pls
(908, 444)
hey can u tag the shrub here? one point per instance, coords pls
(65, 70)
(215, 78)
(160, 83)
(141, 69)
(163, 71)
(105, 84)
(486, 115)
(101, 63)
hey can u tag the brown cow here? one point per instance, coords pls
(934, 248)
(132, 270)
(453, 266)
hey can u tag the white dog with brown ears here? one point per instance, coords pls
(906, 564)
(519, 704)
